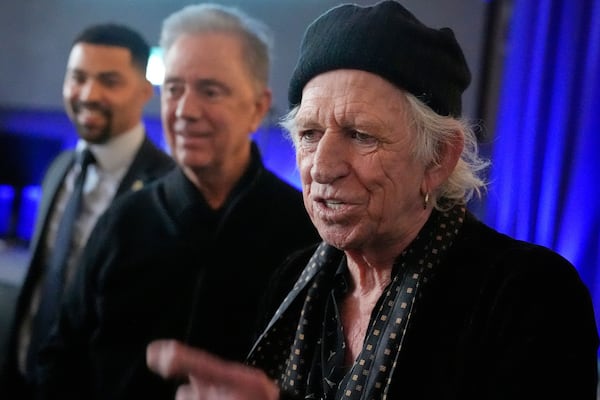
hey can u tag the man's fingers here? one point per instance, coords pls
(171, 359)
(186, 392)
(165, 358)
(158, 357)
(208, 376)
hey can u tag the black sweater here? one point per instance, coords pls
(162, 264)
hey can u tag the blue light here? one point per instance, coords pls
(30, 197)
(545, 169)
(7, 197)
(278, 153)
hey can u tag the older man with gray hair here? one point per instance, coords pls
(409, 296)
(190, 256)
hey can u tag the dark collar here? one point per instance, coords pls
(186, 202)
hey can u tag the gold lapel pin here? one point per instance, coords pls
(137, 185)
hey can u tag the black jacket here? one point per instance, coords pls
(501, 319)
(162, 264)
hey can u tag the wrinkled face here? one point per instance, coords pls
(361, 184)
(103, 92)
(210, 103)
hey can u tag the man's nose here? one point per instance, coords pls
(330, 158)
(90, 91)
(188, 106)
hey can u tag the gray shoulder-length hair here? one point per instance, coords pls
(206, 18)
(431, 130)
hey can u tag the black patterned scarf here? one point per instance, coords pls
(303, 348)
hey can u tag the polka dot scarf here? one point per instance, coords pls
(291, 348)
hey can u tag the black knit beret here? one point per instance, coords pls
(387, 40)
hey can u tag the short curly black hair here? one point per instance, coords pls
(111, 34)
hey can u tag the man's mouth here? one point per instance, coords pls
(333, 204)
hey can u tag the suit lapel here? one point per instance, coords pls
(138, 173)
(51, 186)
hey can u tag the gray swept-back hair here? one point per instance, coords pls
(431, 131)
(204, 18)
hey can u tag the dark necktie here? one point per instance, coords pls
(56, 266)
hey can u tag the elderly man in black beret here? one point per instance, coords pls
(409, 296)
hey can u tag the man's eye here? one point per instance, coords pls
(172, 90)
(363, 137)
(212, 92)
(77, 78)
(111, 82)
(309, 136)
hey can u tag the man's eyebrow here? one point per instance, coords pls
(305, 122)
(172, 79)
(101, 74)
(197, 82)
(110, 74)
(75, 70)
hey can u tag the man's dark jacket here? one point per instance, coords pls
(501, 319)
(162, 264)
(148, 164)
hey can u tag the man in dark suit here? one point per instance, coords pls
(105, 91)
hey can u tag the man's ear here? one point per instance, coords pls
(449, 154)
(148, 90)
(262, 106)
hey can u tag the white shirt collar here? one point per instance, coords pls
(118, 151)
